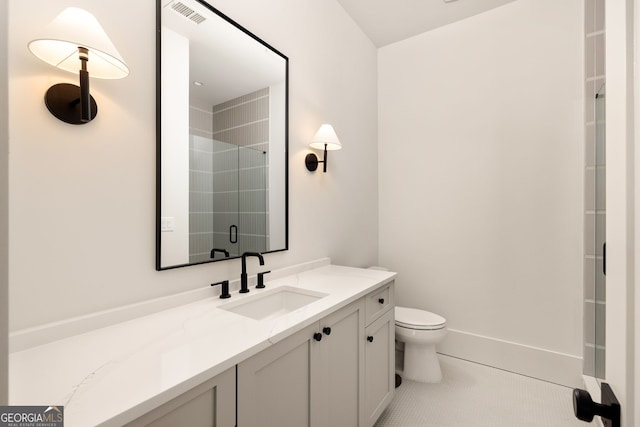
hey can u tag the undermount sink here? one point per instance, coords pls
(273, 303)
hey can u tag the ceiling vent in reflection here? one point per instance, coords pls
(187, 12)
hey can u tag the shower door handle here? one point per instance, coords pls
(233, 234)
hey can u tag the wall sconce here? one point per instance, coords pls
(325, 139)
(73, 39)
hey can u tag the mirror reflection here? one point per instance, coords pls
(222, 138)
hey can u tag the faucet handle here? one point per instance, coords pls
(260, 284)
(224, 291)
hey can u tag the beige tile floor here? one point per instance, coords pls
(474, 395)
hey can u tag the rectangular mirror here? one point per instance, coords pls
(222, 138)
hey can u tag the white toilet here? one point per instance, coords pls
(420, 331)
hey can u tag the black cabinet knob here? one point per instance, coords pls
(326, 330)
(317, 336)
(381, 300)
(370, 338)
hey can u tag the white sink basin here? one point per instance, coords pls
(273, 303)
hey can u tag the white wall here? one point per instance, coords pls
(481, 191)
(277, 166)
(174, 125)
(4, 210)
(82, 198)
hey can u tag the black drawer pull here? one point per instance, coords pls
(381, 300)
(370, 338)
(317, 336)
(326, 330)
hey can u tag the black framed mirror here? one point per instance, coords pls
(222, 138)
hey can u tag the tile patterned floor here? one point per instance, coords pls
(473, 395)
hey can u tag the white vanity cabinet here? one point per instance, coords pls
(339, 371)
(212, 403)
(310, 378)
(336, 372)
(379, 354)
(274, 385)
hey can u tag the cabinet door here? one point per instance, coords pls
(210, 404)
(379, 378)
(338, 373)
(274, 385)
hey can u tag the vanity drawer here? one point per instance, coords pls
(378, 302)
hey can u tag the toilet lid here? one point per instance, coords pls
(418, 319)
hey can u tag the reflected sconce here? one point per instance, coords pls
(74, 41)
(325, 139)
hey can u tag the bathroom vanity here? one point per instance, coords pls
(338, 371)
(329, 361)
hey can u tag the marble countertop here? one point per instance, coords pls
(113, 375)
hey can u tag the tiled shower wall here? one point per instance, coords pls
(228, 179)
(594, 295)
(200, 184)
(244, 123)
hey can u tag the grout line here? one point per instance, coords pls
(505, 370)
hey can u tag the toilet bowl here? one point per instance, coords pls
(420, 331)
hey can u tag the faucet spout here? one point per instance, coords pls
(214, 250)
(244, 287)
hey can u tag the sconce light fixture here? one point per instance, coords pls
(325, 139)
(74, 41)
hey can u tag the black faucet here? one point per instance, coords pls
(244, 287)
(224, 251)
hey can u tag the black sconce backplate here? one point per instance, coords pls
(311, 161)
(63, 101)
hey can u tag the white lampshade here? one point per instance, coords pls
(326, 135)
(58, 45)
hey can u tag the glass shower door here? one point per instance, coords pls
(224, 218)
(252, 200)
(228, 199)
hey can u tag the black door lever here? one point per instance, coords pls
(585, 409)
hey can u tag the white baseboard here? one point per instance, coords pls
(31, 337)
(559, 368)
